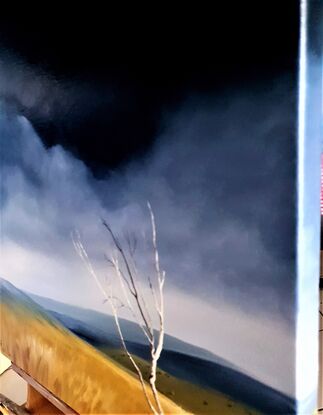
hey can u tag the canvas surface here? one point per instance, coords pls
(154, 211)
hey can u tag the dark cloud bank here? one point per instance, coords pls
(221, 179)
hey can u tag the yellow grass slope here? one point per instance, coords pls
(193, 398)
(75, 372)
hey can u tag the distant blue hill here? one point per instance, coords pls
(179, 359)
(204, 373)
(104, 327)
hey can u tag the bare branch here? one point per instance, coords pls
(84, 256)
(131, 278)
(161, 275)
(111, 262)
(125, 267)
(153, 293)
(154, 239)
(142, 299)
(118, 272)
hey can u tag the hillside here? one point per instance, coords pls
(71, 369)
(184, 361)
(194, 378)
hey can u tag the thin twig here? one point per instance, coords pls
(129, 281)
(83, 254)
(134, 290)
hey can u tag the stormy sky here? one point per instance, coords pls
(209, 142)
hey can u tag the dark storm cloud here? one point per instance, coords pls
(221, 179)
(44, 98)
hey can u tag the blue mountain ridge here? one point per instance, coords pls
(104, 327)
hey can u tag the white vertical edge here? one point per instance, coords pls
(308, 219)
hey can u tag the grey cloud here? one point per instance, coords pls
(220, 180)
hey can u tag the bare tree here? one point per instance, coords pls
(126, 271)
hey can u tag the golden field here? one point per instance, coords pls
(72, 370)
(193, 398)
(89, 381)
